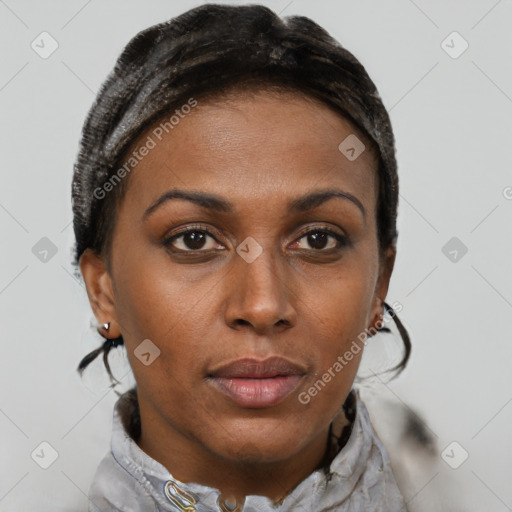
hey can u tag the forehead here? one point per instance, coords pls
(254, 147)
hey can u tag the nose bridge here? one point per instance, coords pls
(260, 295)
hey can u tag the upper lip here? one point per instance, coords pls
(250, 368)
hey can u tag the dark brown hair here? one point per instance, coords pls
(210, 51)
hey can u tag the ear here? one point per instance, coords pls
(387, 262)
(100, 290)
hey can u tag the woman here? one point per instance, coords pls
(235, 202)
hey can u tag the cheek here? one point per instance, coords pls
(172, 312)
(335, 324)
(338, 314)
(342, 304)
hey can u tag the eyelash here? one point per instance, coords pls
(341, 239)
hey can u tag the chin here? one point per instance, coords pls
(259, 446)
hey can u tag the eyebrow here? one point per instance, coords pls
(219, 204)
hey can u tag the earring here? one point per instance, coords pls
(381, 320)
(110, 342)
(105, 327)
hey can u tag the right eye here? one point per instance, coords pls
(192, 239)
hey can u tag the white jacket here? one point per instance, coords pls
(367, 475)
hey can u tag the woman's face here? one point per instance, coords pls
(254, 265)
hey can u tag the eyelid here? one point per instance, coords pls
(192, 227)
(323, 227)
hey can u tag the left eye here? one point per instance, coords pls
(318, 239)
(191, 240)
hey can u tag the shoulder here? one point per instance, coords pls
(113, 488)
(426, 482)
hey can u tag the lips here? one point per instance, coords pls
(256, 384)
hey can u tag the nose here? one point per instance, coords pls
(260, 297)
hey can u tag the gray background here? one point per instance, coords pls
(452, 119)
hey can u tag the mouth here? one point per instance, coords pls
(257, 384)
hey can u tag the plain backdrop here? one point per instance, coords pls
(451, 110)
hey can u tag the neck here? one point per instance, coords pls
(235, 480)
(188, 460)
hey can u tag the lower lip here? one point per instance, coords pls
(257, 393)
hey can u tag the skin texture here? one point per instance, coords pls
(301, 299)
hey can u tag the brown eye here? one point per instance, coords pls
(191, 240)
(322, 240)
